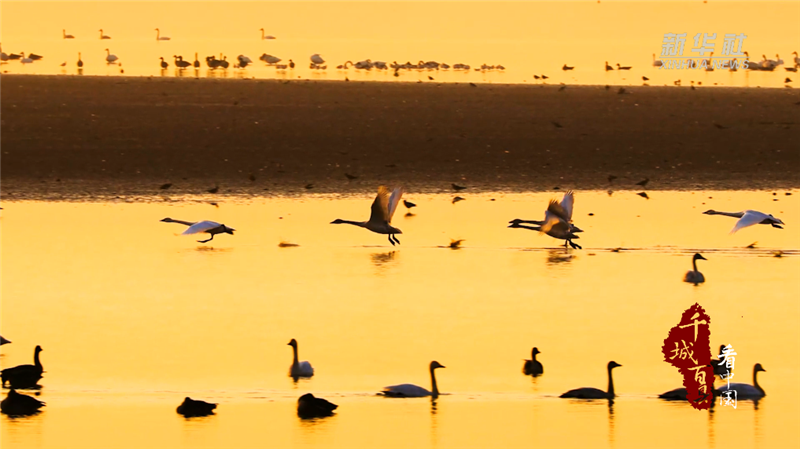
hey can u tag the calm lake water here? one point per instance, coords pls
(527, 38)
(133, 317)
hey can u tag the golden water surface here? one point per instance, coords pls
(133, 317)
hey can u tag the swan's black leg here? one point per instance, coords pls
(574, 245)
(390, 239)
(776, 226)
(396, 239)
(205, 241)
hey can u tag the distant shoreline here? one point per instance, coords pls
(98, 136)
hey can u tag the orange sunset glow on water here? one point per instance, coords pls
(224, 234)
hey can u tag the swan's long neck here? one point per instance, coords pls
(729, 214)
(755, 382)
(434, 387)
(532, 228)
(610, 383)
(38, 362)
(694, 265)
(533, 356)
(362, 224)
(187, 223)
(295, 361)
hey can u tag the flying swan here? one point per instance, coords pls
(382, 211)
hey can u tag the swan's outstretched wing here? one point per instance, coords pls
(749, 218)
(380, 207)
(558, 210)
(566, 204)
(394, 200)
(201, 226)
(554, 223)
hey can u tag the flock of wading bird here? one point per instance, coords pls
(557, 223)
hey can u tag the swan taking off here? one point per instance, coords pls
(594, 393)
(695, 277)
(749, 218)
(382, 211)
(414, 391)
(557, 221)
(210, 227)
(299, 369)
(317, 59)
(745, 391)
(533, 367)
(159, 37)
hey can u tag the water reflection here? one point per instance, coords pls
(383, 261)
(611, 431)
(559, 256)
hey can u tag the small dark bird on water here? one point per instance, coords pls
(643, 182)
(788, 80)
(214, 190)
(350, 177)
(165, 186)
(164, 64)
(16, 404)
(430, 77)
(191, 407)
(309, 406)
(457, 199)
(544, 77)
(608, 67)
(677, 83)
(457, 187)
(473, 84)
(346, 78)
(557, 125)
(643, 195)
(533, 367)
(566, 67)
(409, 204)
(536, 77)
(644, 78)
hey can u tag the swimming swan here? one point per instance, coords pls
(211, 227)
(310, 407)
(695, 277)
(533, 367)
(110, 59)
(299, 369)
(594, 393)
(191, 407)
(746, 391)
(24, 376)
(159, 37)
(381, 216)
(16, 404)
(749, 218)
(413, 391)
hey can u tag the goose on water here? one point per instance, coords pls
(16, 404)
(298, 368)
(594, 393)
(414, 391)
(746, 391)
(533, 367)
(749, 218)
(211, 227)
(381, 216)
(191, 407)
(164, 64)
(309, 406)
(557, 221)
(695, 277)
(24, 376)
